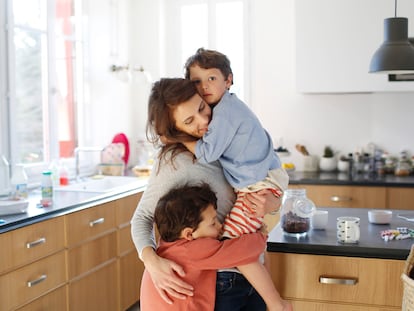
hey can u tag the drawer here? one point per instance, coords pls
(56, 300)
(31, 281)
(368, 281)
(346, 196)
(126, 207)
(90, 223)
(125, 240)
(31, 243)
(85, 257)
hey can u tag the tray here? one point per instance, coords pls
(10, 207)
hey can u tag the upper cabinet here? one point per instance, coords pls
(335, 41)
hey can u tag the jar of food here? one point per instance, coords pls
(296, 212)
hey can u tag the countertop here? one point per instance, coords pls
(339, 178)
(64, 202)
(323, 242)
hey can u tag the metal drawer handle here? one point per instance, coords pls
(337, 198)
(338, 281)
(36, 243)
(37, 281)
(96, 222)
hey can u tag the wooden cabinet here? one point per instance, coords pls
(359, 196)
(131, 267)
(32, 264)
(315, 282)
(85, 260)
(400, 198)
(346, 196)
(333, 53)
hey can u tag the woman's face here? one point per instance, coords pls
(192, 116)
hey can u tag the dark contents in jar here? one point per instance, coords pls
(292, 223)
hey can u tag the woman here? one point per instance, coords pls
(176, 166)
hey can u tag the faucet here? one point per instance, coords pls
(83, 149)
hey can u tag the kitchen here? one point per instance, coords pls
(345, 118)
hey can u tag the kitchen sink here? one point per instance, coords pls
(103, 184)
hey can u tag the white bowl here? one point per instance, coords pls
(379, 216)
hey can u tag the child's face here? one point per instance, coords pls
(193, 116)
(210, 227)
(211, 83)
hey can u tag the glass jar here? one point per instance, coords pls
(296, 212)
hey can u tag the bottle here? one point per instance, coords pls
(47, 188)
(63, 175)
(54, 168)
(19, 182)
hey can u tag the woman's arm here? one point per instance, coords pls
(164, 273)
(263, 201)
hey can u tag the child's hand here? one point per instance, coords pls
(263, 229)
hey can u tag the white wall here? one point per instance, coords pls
(344, 121)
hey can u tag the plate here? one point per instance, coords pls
(10, 207)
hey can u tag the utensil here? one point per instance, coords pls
(302, 149)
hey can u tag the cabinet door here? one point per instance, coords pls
(56, 300)
(338, 279)
(32, 281)
(31, 243)
(400, 198)
(346, 196)
(89, 223)
(323, 306)
(85, 257)
(131, 272)
(335, 41)
(96, 291)
(125, 208)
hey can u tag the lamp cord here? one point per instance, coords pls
(395, 8)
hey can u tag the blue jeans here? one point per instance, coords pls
(234, 293)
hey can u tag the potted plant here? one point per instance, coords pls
(327, 163)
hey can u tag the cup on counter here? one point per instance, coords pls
(347, 229)
(319, 220)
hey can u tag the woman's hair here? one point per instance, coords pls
(181, 208)
(209, 59)
(165, 96)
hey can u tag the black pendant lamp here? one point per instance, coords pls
(396, 54)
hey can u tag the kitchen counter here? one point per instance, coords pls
(338, 178)
(64, 202)
(323, 242)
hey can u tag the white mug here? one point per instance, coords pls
(347, 229)
(319, 220)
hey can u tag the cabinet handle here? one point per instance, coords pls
(96, 222)
(337, 198)
(338, 281)
(36, 243)
(37, 281)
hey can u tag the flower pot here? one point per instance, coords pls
(327, 164)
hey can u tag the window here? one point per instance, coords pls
(212, 24)
(42, 51)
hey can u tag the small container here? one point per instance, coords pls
(63, 175)
(296, 212)
(47, 188)
(19, 182)
(379, 217)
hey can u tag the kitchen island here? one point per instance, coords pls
(318, 273)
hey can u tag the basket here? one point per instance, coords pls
(408, 283)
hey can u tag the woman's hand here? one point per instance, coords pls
(165, 275)
(263, 202)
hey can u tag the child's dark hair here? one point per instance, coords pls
(181, 208)
(207, 59)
